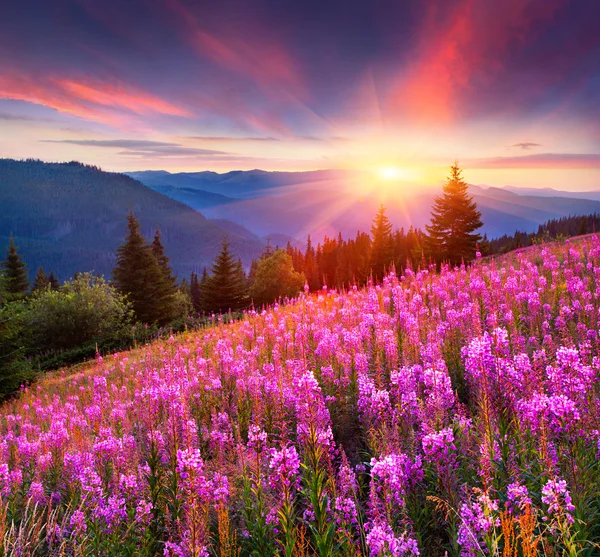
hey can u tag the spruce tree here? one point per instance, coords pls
(14, 273)
(166, 289)
(53, 281)
(451, 234)
(41, 281)
(139, 276)
(204, 286)
(382, 249)
(195, 293)
(226, 288)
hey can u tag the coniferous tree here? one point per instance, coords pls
(195, 293)
(226, 288)
(382, 250)
(14, 272)
(451, 234)
(166, 288)
(139, 276)
(204, 286)
(41, 281)
(53, 281)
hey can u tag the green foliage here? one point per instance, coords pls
(274, 278)
(14, 368)
(14, 272)
(83, 309)
(225, 289)
(454, 220)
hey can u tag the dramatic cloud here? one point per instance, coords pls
(354, 84)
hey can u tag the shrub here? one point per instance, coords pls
(83, 309)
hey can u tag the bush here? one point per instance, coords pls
(82, 310)
(275, 278)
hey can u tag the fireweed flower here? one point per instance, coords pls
(476, 520)
(284, 465)
(382, 542)
(393, 474)
(439, 446)
(556, 495)
(517, 497)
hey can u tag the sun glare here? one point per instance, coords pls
(390, 173)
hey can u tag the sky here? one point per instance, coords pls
(510, 88)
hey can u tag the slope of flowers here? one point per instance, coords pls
(455, 412)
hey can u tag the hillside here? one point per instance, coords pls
(70, 217)
(364, 410)
(326, 202)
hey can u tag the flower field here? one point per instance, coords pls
(456, 412)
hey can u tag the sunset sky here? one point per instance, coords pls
(510, 87)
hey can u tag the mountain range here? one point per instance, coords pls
(325, 202)
(71, 217)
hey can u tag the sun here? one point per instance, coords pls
(391, 173)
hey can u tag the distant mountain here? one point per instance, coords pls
(326, 202)
(70, 217)
(239, 184)
(551, 192)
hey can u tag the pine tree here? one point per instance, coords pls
(454, 219)
(195, 293)
(53, 281)
(226, 288)
(14, 272)
(139, 276)
(166, 289)
(204, 287)
(41, 281)
(382, 250)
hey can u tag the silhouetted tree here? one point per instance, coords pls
(41, 281)
(53, 281)
(14, 273)
(382, 251)
(451, 234)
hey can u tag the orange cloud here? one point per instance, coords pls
(103, 102)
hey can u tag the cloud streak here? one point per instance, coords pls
(144, 148)
(542, 160)
(527, 145)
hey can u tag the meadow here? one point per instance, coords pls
(452, 412)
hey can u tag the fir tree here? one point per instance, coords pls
(53, 281)
(382, 250)
(204, 286)
(41, 281)
(14, 272)
(226, 288)
(195, 293)
(166, 288)
(454, 219)
(139, 276)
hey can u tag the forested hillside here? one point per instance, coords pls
(70, 217)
